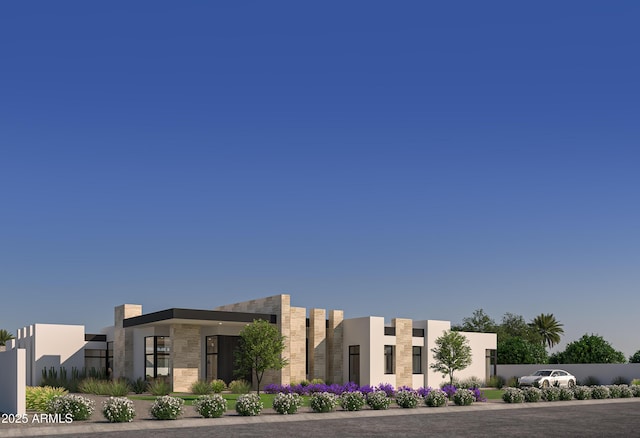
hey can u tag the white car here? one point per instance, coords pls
(546, 378)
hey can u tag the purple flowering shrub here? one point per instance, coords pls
(423, 392)
(387, 388)
(450, 390)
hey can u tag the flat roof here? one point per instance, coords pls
(197, 315)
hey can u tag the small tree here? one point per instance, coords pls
(5, 336)
(261, 347)
(452, 353)
(635, 358)
(589, 349)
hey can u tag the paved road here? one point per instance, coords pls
(551, 420)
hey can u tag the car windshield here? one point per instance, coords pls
(542, 373)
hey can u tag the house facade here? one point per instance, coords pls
(187, 345)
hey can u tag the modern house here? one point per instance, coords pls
(186, 345)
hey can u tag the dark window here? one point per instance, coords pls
(418, 333)
(417, 360)
(354, 364)
(491, 361)
(389, 362)
(156, 356)
(109, 358)
(95, 361)
(212, 358)
(390, 331)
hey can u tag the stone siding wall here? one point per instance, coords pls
(298, 344)
(335, 348)
(185, 355)
(123, 340)
(404, 351)
(317, 344)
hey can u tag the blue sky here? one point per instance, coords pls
(415, 160)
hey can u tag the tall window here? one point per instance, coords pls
(109, 359)
(417, 360)
(389, 362)
(491, 361)
(95, 360)
(354, 364)
(156, 355)
(212, 358)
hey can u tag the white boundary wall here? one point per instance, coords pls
(13, 364)
(604, 372)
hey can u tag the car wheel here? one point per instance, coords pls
(545, 384)
(572, 384)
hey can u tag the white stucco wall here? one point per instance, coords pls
(357, 331)
(479, 343)
(434, 329)
(51, 345)
(12, 381)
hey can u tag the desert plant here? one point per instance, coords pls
(118, 410)
(470, 383)
(614, 391)
(635, 389)
(93, 386)
(463, 397)
(287, 403)
(532, 394)
(582, 392)
(378, 400)
(551, 393)
(496, 382)
(167, 407)
(620, 380)
(317, 382)
(159, 387)
(590, 381)
(210, 406)
(512, 382)
(435, 398)
(599, 392)
(324, 402)
(406, 398)
(513, 395)
(118, 388)
(38, 397)
(77, 407)
(352, 401)
(249, 405)
(625, 391)
(239, 387)
(218, 386)
(201, 387)
(139, 385)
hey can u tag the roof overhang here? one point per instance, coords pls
(194, 316)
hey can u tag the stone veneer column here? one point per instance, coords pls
(335, 348)
(123, 341)
(298, 344)
(185, 355)
(404, 352)
(318, 344)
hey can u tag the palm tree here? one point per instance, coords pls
(548, 327)
(4, 337)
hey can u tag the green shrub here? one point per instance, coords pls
(582, 392)
(532, 394)
(352, 401)
(513, 395)
(287, 403)
(551, 393)
(599, 392)
(625, 391)
(436, 398)
(77, 407)
(201, 387)
(118, 410)
(565, 394)
(91, 385)
(463, 397)
(38, 397)
(210, 406)
(407, 399)
(167, 407)
(239, 387)
(635, 382)
(325, 401)
(218, 386)
(139, 385)
(249, 405)
(496, 382)
(317, 382)
(635, 389)
(378, 400)
(159, 387)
